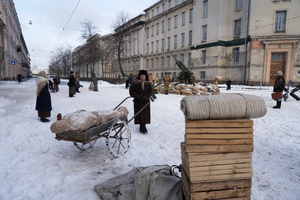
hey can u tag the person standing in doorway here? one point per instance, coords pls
(43, 99)
(141, 91)
(279, 86)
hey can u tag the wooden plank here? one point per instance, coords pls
(219, 130)
(226, 177)
(216, 141)
(222, 194)
(218, 185)
(219, 162)
(218, 136)
(219, 148)
(220, 123)
(219, 172)
(238, 198)
(221, 167)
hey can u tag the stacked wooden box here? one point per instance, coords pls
(217, 159)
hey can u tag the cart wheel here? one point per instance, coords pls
(118, 139)
(86, 146)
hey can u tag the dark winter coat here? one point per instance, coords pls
(43, 100)
(141, 98)
(72, 81)
(279, 84)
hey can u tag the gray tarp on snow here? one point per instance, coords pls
(142, 183)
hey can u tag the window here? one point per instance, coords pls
(153, 13)
(237, 28)
(280, 21)
(238, 5)
(203, 56)
(190, 37)
(176, 2)
(189, 59)
(170, 4)
(157, 9)
(148, 31)
(169, 61)
(162, 44)
(152, 30)
(202, 74)
(157, 46)
(148, 15)
(236, 55)
(191, 15)
(182, 58)
(183, 18)
(163, 24)
(152, 47)
(169, 24)
(175, 56)
(157, 28)
(176, 21)
(204, 33)
(182, 39)
(164, 7)
(157, 63)
(152, 63)
(162, 62)
(169, 42)
(205, 8)
(139, 40)
(148, 48)
(175, 41)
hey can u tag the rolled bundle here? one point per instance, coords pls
(224, 106)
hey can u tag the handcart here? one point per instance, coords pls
(115, 130)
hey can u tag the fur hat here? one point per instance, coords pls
(279, 73)
(143, 72)
(71, 72)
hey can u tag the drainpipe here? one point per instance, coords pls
(246, 52)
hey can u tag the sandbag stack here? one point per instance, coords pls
(217, 151)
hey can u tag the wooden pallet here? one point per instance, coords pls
(219, 136)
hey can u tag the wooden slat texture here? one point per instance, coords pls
(216, 141)
(220, 123)
(219, 148)
(218, 136)
(222, 194)
(224, 177)
(219, 130)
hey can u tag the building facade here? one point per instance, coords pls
(14, 56)
(247, 41)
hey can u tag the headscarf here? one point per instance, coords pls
(41, 81)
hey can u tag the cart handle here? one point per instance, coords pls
(122, 102)
(139, 111)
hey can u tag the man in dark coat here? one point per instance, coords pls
(71, 84)
(43, 99)
(141, 91)
(279, 86)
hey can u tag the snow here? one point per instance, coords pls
(34, 165)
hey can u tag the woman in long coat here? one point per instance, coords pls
(95, 82)
(279, 86)
(141, 91)
(71, 84)
(43, 100)
(56, 81)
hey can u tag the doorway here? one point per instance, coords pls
(277, 64)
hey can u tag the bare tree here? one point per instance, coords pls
(61, 61)
(119, 42)
(88, 29)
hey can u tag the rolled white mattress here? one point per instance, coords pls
(223, 106)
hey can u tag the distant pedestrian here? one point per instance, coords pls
(95, 82)
(279, 86)
(56, 81)
(216, 80)
(166, 80)
(192, 79)
(228, 83)
(43, 100)
(71, 84)
(19, 77)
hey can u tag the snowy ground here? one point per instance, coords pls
(36, 166)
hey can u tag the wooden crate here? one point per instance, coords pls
(207, 167)
(219, 136)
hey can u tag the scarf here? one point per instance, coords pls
(41, 82)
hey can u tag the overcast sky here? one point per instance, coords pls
(49, 17)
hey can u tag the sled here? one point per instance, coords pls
(116, 131)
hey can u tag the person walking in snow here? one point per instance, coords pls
(95, 82)
(43, 99)
(279, 86)
(141, 91)
(228, 83)
(77, 82)
(71, 84)
(56, 81)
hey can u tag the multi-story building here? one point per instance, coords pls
(244, 40)
(14, 56)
